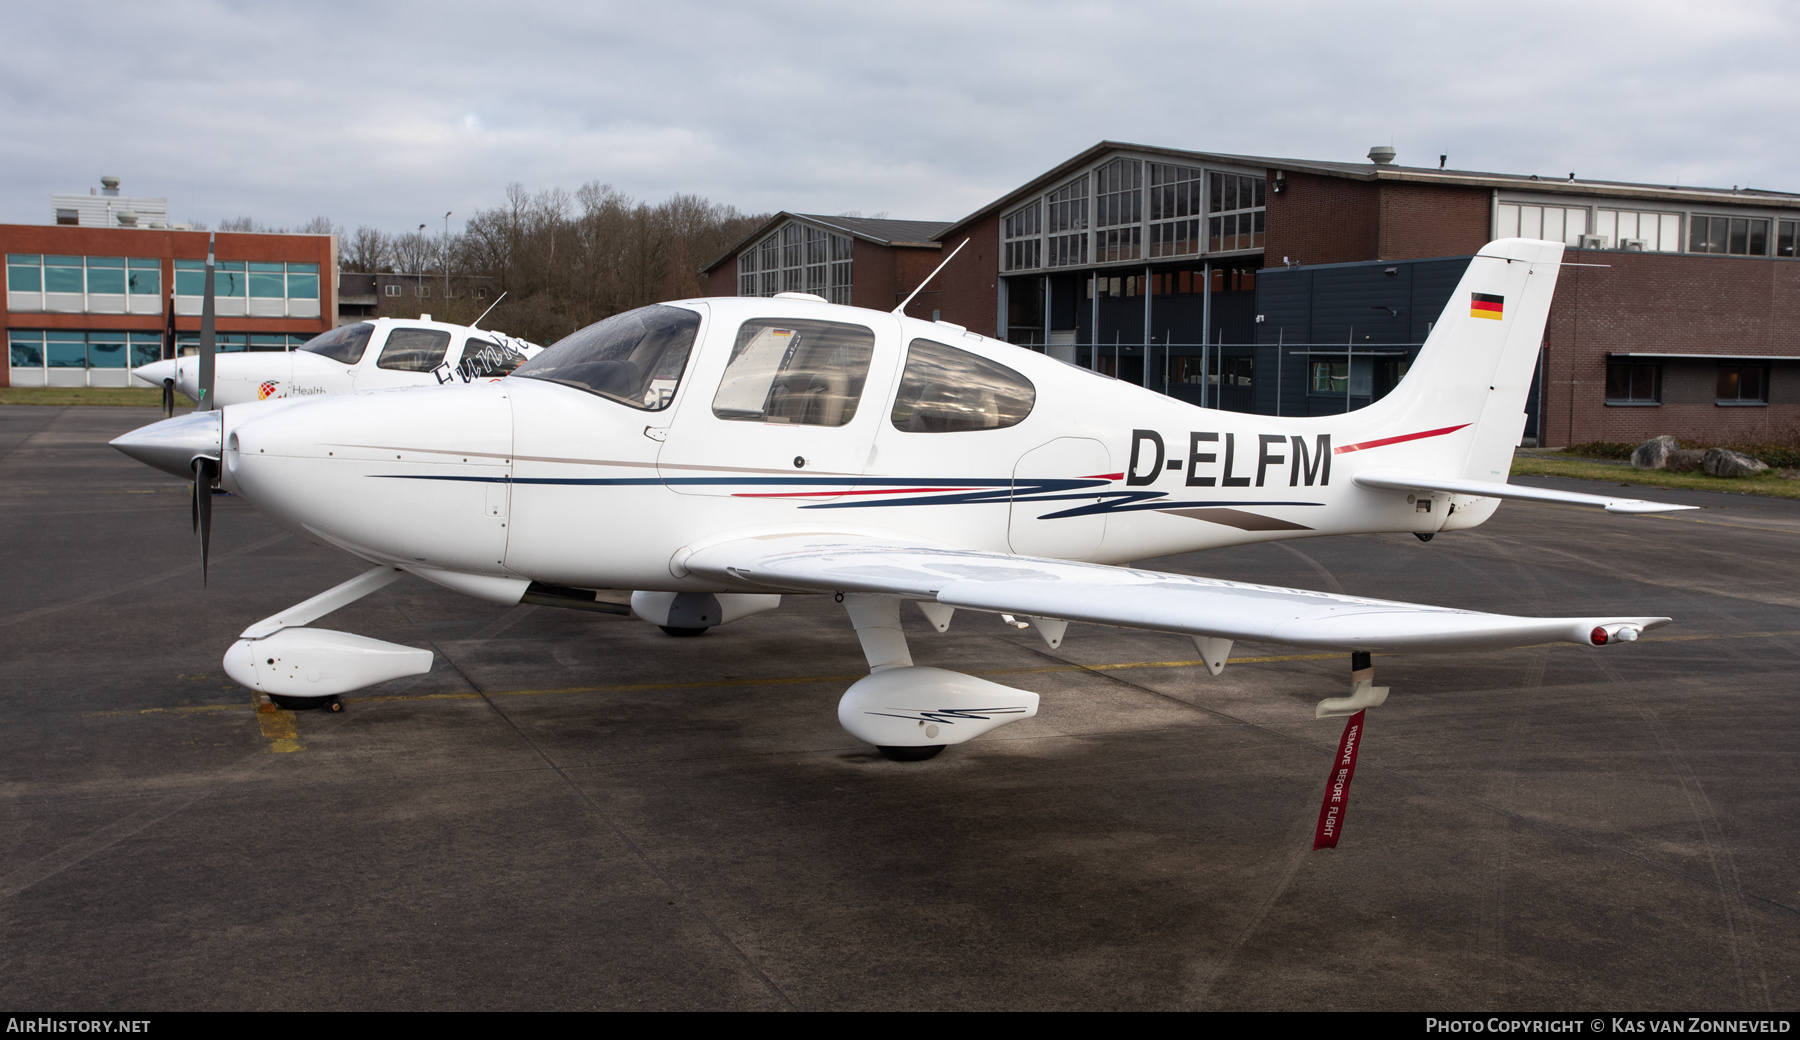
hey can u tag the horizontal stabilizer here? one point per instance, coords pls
(1394, 480)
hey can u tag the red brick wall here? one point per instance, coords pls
(1419, 220)
(723, 280)
(967, 292)
(1658, 303)
(169, 246)
(1321, 220)
(872, 276)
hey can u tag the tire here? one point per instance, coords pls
(910, 754)
(682, 633)
(287, 703)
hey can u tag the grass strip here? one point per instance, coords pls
(1770, 483)
(64, 396)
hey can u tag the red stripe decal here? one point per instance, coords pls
(821, 493)
(1384, 441)
(1337, 786)
(1483, 305)
(1104, 476)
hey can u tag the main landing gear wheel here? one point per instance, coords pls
(682, 633)
(287, 703)
(910, 754)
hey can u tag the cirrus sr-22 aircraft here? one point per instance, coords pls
(363, 355)
(715, 455)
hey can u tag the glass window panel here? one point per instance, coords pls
(302, 286)
(1785, 237)
(144, 281)
(145, 348)
(266, 285)
(1697, 235)
(635, 358)
(1553, 224)
(105, 261)
(414, 350)
(106, 350)
(106, 279)
(1669, 241)
(1759, 238)
(1739, 242)
(1574, 225)
(32, 259)
(25, 278)
(65, 350)
(267, 342)
(64, 276)
(1508, 222)
(946, 390)
(344, 344)
(27, 349)
(809, 373)
(257, 265)
(1716, 239)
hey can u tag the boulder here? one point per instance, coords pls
(1654, 453)
(1686, 460)
(1723, 462)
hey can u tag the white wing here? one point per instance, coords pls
(1132, 598)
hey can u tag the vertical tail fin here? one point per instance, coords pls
(1475, 368)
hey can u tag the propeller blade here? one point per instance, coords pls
(206, 402)
(168, 403)
(204, 472)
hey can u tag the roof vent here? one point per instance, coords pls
(1382, 154)
(126, 218)
(109, 185)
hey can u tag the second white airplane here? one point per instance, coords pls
(364, 355)
(714, 455)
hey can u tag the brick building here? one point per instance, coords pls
(861, 261)
(1305, 287)
(87, 304)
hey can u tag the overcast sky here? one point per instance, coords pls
(389, 114)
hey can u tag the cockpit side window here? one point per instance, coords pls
(946, 390)
(345, 345)
(485, 359)
(783, 370)
(414, 350)
(635, 358)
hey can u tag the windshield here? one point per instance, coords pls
(635, 358)
(344, 345)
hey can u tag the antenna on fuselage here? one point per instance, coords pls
(489, 311)
(901, 310)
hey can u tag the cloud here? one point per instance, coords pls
(390, 114)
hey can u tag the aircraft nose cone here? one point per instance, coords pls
(172, 445)
(156, 371)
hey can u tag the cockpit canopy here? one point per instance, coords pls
(635, 358)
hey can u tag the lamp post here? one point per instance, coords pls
(419, 263)
(444, 252)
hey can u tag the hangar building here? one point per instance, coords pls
(1305, 287)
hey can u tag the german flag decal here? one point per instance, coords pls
(1485, 305)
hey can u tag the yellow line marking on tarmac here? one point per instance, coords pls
(268, 712)
(279, 729)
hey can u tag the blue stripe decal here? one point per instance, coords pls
(982, 492)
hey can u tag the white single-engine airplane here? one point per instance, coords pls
(364, 355)
(716, 454)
